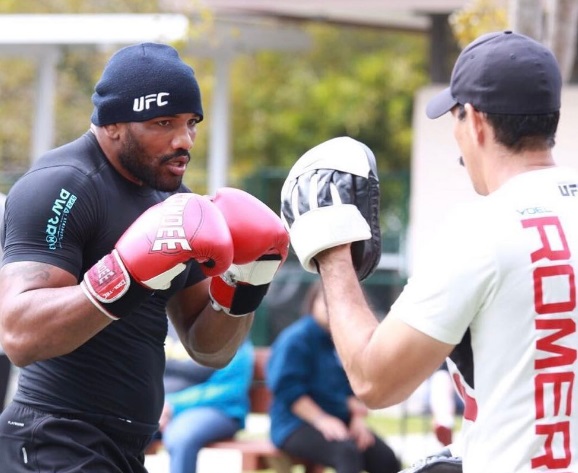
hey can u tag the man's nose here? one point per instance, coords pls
(184, 138)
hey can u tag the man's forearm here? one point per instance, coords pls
(351, 320)
(215, 337)
(385, 361)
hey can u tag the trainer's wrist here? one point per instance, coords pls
(337, 254)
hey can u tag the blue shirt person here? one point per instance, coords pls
(202, 405)
(314, 414)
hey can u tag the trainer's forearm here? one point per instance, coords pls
(385, 361)
(351, 320)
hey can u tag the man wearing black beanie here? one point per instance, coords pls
(102, 241)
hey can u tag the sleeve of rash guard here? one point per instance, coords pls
(50, 215)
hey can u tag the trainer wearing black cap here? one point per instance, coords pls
(102, 241)
(497, 291)
(503, 73)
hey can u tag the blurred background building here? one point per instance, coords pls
(279, 77)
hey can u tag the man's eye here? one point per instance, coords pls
(163, 123)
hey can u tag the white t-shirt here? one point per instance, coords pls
(499, 281)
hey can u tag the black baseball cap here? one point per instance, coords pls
(502, 73)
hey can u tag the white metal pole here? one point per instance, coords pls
(43, 129)
(219, 133)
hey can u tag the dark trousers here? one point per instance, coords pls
(343, 456)
(35, 441)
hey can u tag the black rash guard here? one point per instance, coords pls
(69, 210)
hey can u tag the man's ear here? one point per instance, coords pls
(477, 124)
(112, 130)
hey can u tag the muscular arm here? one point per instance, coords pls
(44, 313)
(386, 361)
(210, 337)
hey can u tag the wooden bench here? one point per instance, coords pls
(261, 454)
(258, 453)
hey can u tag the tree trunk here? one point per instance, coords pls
(525, 17)
(561, 33)
(553, 22)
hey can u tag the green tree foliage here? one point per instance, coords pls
(477, 18)
(78, 69)
(78, 6)
(16, 111)
(353, 81)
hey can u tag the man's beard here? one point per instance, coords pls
(134, 158)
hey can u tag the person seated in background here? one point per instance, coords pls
(202, 405)
(314, 414)
(444, 403)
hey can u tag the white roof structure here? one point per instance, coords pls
(391, 14)
(238, 26)
(25, 31)
(40, 36)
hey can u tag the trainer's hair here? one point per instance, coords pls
(525, 132)
(522, 132)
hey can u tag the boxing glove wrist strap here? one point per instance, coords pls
(109, 286)
(238, 299)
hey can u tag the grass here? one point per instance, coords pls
(388, 425)
(385, 426)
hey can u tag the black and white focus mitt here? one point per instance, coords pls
(331, 197)
(443, 462)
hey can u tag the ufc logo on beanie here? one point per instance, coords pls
(144, 102)
(142, 82)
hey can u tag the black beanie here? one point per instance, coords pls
(145, 81)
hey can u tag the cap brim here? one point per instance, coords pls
(441, 104)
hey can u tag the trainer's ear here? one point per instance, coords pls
(477, 124)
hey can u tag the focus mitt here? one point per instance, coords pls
(331, 197)
(442, 462)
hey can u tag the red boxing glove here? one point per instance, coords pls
(155, 249)
(261, 244)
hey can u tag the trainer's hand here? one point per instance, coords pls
(331, 197)
(261, 244)
(155, 249)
